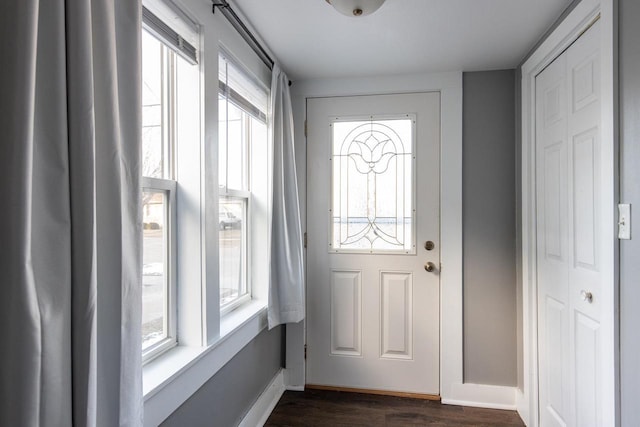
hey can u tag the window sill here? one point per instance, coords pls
(170, 379)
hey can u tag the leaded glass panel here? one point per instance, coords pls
(372, 206)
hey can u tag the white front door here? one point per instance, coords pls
(570, 204)
(373, 203)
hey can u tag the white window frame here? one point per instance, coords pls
(208, 337)
(225, 191)
(168, 186)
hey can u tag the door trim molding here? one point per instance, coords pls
(576, 22)
(451, 317)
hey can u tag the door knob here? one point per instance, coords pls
(430, 267)
(586, 296)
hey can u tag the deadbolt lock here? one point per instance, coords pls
(429, 245)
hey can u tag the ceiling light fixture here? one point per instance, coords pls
(356, 7)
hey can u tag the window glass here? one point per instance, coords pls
(155, 129)
(233, 250)
(235, 147)
(154, 271)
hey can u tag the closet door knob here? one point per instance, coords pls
(586, 296)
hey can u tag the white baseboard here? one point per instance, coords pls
(262, 408)
(482, 396)
(476, 395)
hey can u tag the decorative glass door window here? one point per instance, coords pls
(372, 185)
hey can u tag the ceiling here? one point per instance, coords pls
(312, 40)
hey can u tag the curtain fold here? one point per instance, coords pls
(286, 280)
(70, 297)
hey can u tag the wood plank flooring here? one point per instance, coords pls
(320, 408)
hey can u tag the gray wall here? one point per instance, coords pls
(489, 228)
(225, 399)
(629, 55)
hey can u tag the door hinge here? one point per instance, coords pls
(305, 352)
(305, 128)
(305, 240)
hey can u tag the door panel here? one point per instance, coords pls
(346, 313)
(373, 185)
(584, 176)
(556, 346)
(569, 207)
(586, 387)
(397, 315)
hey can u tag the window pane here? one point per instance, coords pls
(154, 269)
(233, 249)
(233, 146)
(222, 141)
(237, 144)
(258, 135)
(153, 96)
(372, 186)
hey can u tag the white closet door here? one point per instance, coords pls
(569, 233)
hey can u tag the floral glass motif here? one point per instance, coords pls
(372, 186)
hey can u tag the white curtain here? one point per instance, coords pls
(70, 263)
(286, 281)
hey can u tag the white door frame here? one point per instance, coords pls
(560, 39)
(453, 390)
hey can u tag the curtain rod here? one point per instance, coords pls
(241, 28)
(244, 31)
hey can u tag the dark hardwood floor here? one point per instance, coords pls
(319, 408)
